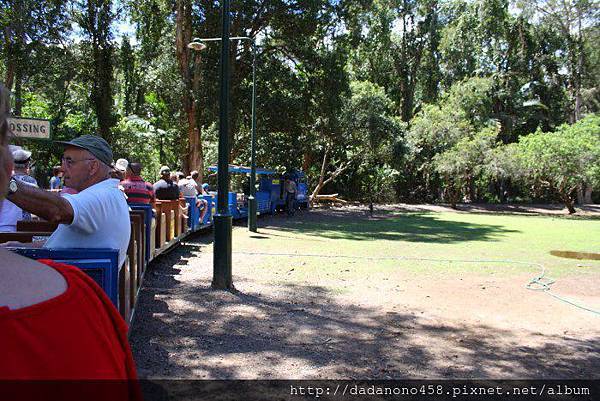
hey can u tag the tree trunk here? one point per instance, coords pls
(18, 92)
(192, 159)
(10, 59)
(320, 184)
(332, 176)
(570, 207)
(584, 194)
(407, 60)
(580, 194)
(15, 45)
(97, 24)
(579, 70)
(587, 196)
(452, 193)
(103, 98)
(569, 203)
(306, 161)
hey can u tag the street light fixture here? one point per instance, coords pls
(195, 45)
(198, 44)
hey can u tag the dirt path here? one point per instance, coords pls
(404, 327)
(545, 210)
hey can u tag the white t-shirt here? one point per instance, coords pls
(100, 220)
(11, 213)
(195, 184)
(187, 187)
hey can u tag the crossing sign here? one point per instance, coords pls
(29, 127)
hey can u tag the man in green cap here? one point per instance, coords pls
(97, 216)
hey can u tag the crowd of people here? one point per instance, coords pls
(55, 321)
(45, 307)
(170, 186)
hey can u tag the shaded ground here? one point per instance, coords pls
(338, 324)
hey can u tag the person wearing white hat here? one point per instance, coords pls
(9, 212)
(22, 163)
(119, 169)
(121, 165)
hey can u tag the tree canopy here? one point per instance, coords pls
(412, 100)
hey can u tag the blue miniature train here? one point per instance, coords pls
(270, 195)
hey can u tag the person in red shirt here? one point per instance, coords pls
(56, 323)
(68, 330)
(136, 189)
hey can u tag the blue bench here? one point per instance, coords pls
(194, 212)
(102, 265)
(210, 200)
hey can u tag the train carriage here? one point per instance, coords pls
(155, 229)
(268, 193)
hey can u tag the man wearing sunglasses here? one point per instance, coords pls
(97, 216)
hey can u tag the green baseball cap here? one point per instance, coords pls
(93, 144)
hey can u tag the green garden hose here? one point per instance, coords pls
(538, 283)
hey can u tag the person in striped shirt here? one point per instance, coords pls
(136, 189)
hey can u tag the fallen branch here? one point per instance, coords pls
(330, 198)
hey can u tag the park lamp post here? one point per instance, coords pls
(198, 44)
(222, 279)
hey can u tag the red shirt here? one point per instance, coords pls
(138, 190)
(76, 335)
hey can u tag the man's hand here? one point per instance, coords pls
(17, 244)
(42, 203)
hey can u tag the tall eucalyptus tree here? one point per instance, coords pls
(27, 28)
(95, 18)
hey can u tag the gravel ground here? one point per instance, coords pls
(402, 328)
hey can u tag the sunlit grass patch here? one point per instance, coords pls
(427, 244)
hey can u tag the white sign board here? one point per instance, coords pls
(29, 128)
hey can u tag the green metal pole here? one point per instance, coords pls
(222, 248)
(252, 199)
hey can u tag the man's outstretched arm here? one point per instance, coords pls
(47, 205)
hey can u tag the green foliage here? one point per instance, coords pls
(95, 18)
(439, 127)
(371, 132)
(399, 93)
(138, 140)
(380, 183)
(436, 129)
(461, 165)
(474, 98)
(36, 106)
(79, 123)
(502, 162)
(368, 121)
(562, 160)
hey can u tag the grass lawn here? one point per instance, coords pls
(377, 246)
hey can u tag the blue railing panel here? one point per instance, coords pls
(102, 265)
